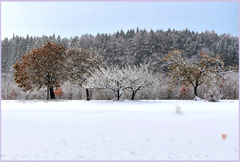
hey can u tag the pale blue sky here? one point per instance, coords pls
(76, 18)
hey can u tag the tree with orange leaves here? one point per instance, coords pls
(181, 71)
(41, 67)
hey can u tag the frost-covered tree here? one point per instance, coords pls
(41, 67)
(118, 79)
(80, 64)
(112, 78)
(138, 78)
(184, 72)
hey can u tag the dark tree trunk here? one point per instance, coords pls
(195, 91)
(52, 94)
(49, 88)
(118, 96)
(87, 94)
(133, 95)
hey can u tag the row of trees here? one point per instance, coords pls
(134, 47)
(69, 91)
(52, 64)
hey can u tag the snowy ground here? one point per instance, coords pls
(124, 130)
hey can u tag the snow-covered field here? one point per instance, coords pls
(124, 130)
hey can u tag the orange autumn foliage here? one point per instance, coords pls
(58, 92)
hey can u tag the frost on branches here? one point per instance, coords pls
(139, 78)
(118, 79)
(111, 78)
(181, 71)
(41, 67)
(214, 94)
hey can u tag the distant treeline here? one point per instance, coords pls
(133, 47)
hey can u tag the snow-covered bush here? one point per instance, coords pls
(214, 94)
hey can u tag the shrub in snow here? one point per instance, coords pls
(213, 95)
(178, 110)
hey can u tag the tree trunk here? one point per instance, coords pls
(52, 94)
(118, 96)
(195, 91)
(133, 95)
(87, 94)
(47, 93)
